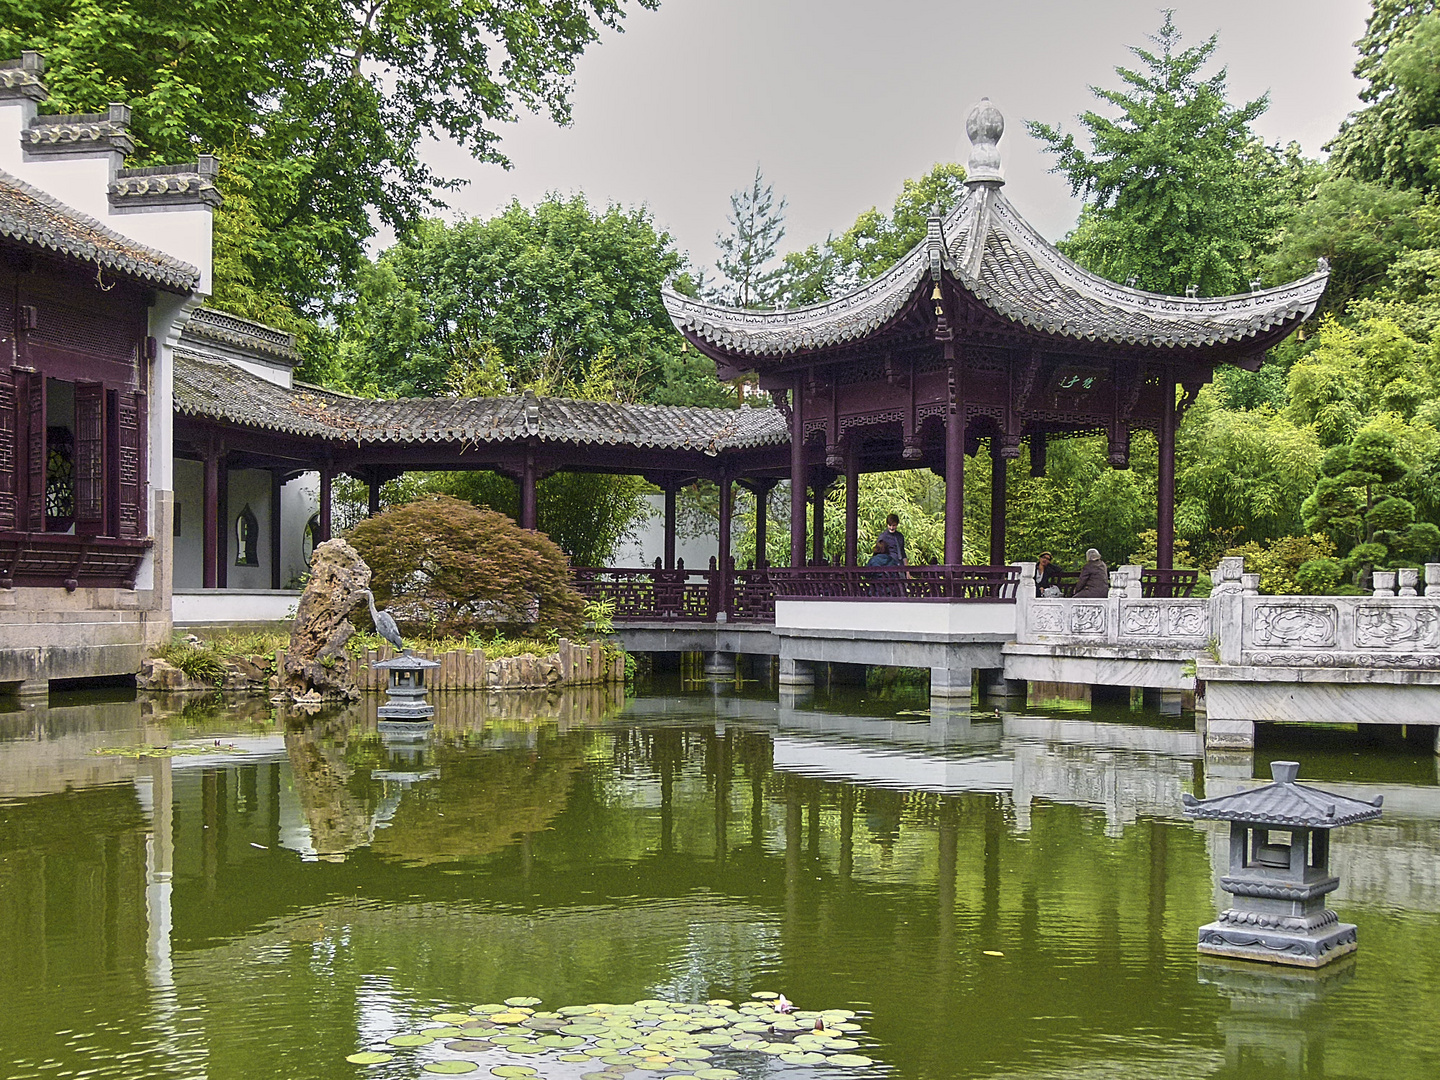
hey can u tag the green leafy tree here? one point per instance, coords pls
(554, 296)
(318, 110)
(1395, 138)
(1180, 190)
(747, 251)
(444, 564)
(874, 243)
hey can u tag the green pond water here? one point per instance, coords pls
(1009, 895)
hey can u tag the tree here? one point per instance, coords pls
(1181, 192)
(747, 252)
(445, 564)
(318, 110)
(874, 243)
(1395, 138)
(560, 295)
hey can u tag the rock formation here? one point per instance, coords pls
(315, 661)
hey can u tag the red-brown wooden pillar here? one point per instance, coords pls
(529, 512)
(817, 528)
(852, 502)
(997, 504)
(722, 580)
(762, 510)
(224, 523)
(670, 492)
(327, 477)
(373, 494)
(210, 518)
(1165, 493)
(955, 464)
(277, 487)
(797, 470)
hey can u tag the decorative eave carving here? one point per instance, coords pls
(191, 184)
(220, 326)
(85, 133)
(22, 78)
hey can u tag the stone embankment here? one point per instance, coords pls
(460, 669)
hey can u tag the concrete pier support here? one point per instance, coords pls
(951, 682)
(1437, 740)
(1230, 734)
(796, 674)
(993, 684)
(33, 688)
(719, 665)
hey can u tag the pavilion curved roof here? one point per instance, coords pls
(214, 389)
(988, 250)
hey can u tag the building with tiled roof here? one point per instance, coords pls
(986, 333)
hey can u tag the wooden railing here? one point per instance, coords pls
(59, 560)
(982, 584)
(748, 596)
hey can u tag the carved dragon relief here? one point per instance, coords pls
(1390, 626)
(1296, 627)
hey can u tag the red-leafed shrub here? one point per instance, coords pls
(446, 566)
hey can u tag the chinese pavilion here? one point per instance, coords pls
(984, 331)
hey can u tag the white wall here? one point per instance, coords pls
(299, 499)
(899, 617)
(649, 542)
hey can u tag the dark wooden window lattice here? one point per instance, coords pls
(59, 479)
(9, 479)
(89, 469)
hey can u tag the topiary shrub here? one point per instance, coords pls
(1319, 577)
(445, 566)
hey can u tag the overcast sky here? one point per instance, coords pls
(840, 100)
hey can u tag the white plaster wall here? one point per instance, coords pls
(248, 487)
(230, 606)
(279, 374)
(649, 541)
(898, 617)
(299, 499)
(189, 507)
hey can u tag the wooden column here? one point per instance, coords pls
(761, 488)
(277, 485)
(327, 477)
(997, 504)
(529, 514)
(373, 491)
(1165, 493)
(852, 502)
(797, 471)
(722, 581)
(210, 518)
(223, 523)
(955, 465)
(670, 492)
(818, 524)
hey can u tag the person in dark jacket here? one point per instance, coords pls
(1094, 579)
(1047, 576)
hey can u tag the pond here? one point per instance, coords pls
(960, 895)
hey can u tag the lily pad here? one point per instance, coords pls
(560, 1042)
(486, 1010)
(574, 1057)
(749, 1044)
(802, 1058)
(584, 1029)
(513, 1070)
(470, 1046)
(527, 1048)
(448, 1032)
(510, 1016)
(843, 1044)
(523, 1001)
(722, 1002)
(410, 1040)
(716, 1074)
(369, 1057)
(452, 1018)
(850, 1061)
(764, 995)
(453, 1067)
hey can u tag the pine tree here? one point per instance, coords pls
(1180, 191)
(747, 252)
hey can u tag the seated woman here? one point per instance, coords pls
(1094, 580)
(1047, 576)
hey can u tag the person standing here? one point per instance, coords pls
(894, 543)
(1094, 579)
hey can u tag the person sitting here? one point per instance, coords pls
(889, 545)
(1047, 576)
(1094, 579)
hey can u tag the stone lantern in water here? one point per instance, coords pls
(1279, 871)
(405, 691)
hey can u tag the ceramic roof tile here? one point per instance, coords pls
(214, 389)
(33, 217)
(1284, 803)
(1018, 275)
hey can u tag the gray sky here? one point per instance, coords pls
(840, 100)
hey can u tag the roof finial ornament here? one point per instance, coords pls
(984, 126)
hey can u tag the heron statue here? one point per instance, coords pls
(385, 624)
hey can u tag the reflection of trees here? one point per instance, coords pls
(481, 802)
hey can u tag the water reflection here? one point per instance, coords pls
(971, 878)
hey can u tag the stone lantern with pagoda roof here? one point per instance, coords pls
(1279, 871)
(406, 690)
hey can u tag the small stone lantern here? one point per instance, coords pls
(406, 690)
(1280, 871)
